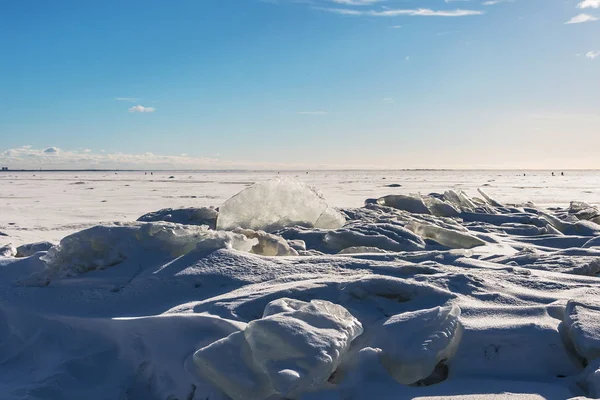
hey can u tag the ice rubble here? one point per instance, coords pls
(294, 348)
(275, 204)
(491, 297)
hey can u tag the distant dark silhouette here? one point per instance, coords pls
(562, 174)
(553, 174)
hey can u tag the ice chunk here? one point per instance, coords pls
(383, 236)
(414, 343)
(268, 244)
(361, 250)
(412, 203)
(441, 208)
(301, 348)
(580, 228)
(460, 200)
(488, 199)
(297, 244)
(108, 245)
(582, 326)
(8, 251)
(330, 219)
(294, 348)
(187, 216)
(276, 204)
(446, 237)
(30, 249)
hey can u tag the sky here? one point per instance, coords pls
(230, 84)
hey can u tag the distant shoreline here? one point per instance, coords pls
(292, 170)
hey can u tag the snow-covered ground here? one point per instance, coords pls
(49, 205)
(456, 293)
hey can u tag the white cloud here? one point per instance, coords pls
(30, 158)
(422, 12)
(142, 109)
(592, 54)
(388, 99)
(578, 19)
(396, 27)
(589, 4)
(49, 150)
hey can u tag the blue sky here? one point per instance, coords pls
(309, 84)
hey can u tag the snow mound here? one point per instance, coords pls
(414, 343)
(186, 216)
(108, 245)
(276, 204)
(294, 348)
(582, 323)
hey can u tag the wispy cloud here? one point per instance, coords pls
(589, 4)
(494, 2)
(422, 12)
(357, 2)
(578, 19)
(141, 109)
(311, 112)
(592, 55)
(128, 99)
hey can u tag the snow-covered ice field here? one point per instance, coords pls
(49, 205)
(396, 285)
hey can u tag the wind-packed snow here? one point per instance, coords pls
(440, 293)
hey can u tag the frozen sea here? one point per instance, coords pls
(38, 206)
(307, 285)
